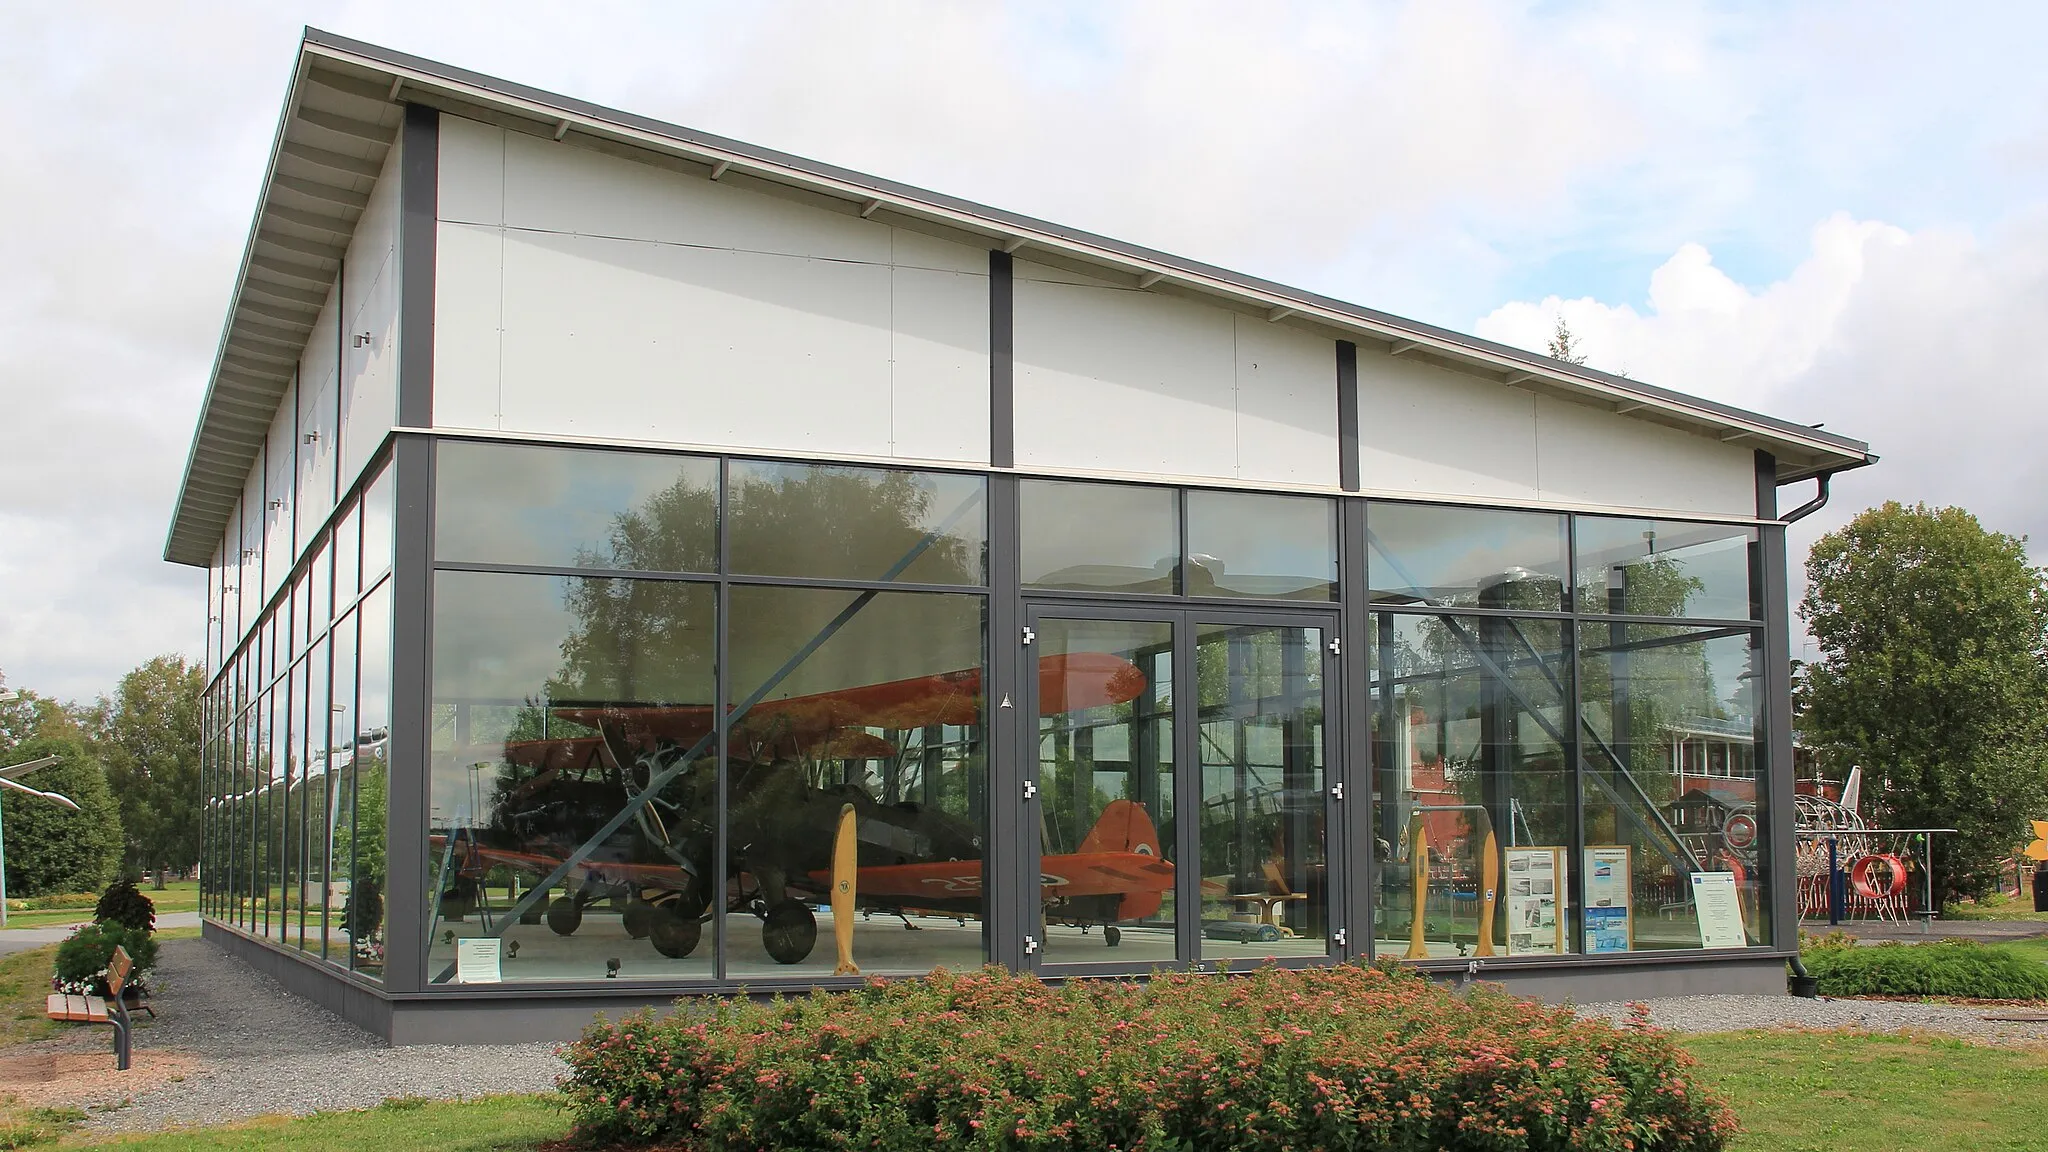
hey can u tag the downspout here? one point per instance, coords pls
(1803, 983)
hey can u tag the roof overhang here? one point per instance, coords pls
(342, 113)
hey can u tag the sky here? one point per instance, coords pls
(1828, 212)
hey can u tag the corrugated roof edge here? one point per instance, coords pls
(1386, 325)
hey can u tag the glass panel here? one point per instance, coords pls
(348, 558)
(320, 586)
(343, 916)
(559, 702)
(858, 523)
(1665, 568)
(524, 504)
(1473, 800)
(379, 528)
(1270, 547)
(315, 797)
(1100, 537)
(1465, 557)
(1105, 775)
(1265, 877)
(869, 701)
(270, 820)
(372, 783)
(1674, 784)
(291, 797)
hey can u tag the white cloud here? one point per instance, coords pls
(1926, 344)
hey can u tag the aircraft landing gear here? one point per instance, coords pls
(638, 918)
(1112, 935)
(674, 935)
(789, 931)
(565, 915)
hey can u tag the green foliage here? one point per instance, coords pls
(1933, 677)
(124, 904)
(50, 848)
(1960, 968)
(82, 960)
(1346, 1057)
(148, 736)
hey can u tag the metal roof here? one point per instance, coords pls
(342, 113)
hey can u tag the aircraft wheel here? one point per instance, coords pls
(674, 936)
(564, 916)
(1112, 935)
(789, 932)
(638, 919)
(1267, 933)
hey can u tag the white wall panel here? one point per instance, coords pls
(553, 187)
(938, 408)
(1434, 432)
(625, 301)
(469, 270)
(1118, 380)
(369, 372)
(618, 338)
(319, 418)
(1286, 405)
(249, 561)
(1592, 456)
(472, 172)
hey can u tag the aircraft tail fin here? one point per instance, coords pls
(1123, 827)
(1852, 789)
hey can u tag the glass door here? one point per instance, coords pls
(1179, 788)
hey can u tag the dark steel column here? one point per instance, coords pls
(1775, 706)
(1353, 854)
(1002, 412)
(1009, 889)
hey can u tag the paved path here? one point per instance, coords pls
(1988, 931)
(262, 1050)
(15, 940)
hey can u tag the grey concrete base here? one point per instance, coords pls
(308, 978)
(1604, 982)
(511, 1015)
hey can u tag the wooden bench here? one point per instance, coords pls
(84, 1009)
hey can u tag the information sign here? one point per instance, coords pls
(1719, 908)
(1536, 883)
(1610, 921)
(477, 960)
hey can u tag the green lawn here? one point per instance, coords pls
(1821, 1091)
(494, 1122)
(179, 896)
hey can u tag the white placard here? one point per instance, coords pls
(476, 960)
(1719, 908)
(1535, 887)
(1609, 922)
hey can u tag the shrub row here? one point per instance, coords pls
(1959, 968)
(1337, 1058)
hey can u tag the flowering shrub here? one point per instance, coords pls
(1337, 1058)
(1961, 968)
(124, 904)
(83, 958)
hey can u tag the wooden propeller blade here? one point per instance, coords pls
(1418, 860)
(1489, 891)
(845, 863)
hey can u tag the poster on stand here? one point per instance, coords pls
(1536, 882)
(1719, 908)
(1610, 921)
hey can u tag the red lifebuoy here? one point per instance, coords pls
(1864, 886)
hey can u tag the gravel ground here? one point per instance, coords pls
(265, 1051)
(1732, 1013)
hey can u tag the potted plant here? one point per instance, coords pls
(82, 960)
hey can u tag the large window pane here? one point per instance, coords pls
(868, 701)
(1665, 568)
(858, 523)
(348, 558)
(1100, 537)
(291, 796)
(1270, 547)
(1473, 795)
(1675, 784)
(380, 531)
(1442, 556)
(314, 797)
(1265, 877)
(1106, 773)
(562, 704)
(370, 892)
(341, 798)
(568, 507)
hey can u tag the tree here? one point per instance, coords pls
(148, 737)
(49, 848)
(1561, 345)
(1933, 677)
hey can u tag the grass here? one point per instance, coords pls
(1997, 906)
(24, 987)
(1814, 1091)
(492, 1122)
(180, 896)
